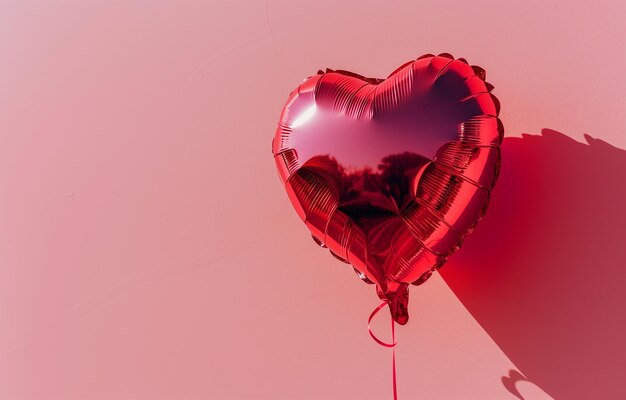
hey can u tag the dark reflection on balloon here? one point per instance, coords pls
(391, 174)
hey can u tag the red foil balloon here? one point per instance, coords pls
(391, 174)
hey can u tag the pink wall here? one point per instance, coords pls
(147, 249)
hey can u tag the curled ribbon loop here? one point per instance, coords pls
(392, 345)
(369, 328)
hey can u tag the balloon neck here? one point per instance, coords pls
(397, 297)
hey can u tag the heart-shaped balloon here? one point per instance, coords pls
(391, 174)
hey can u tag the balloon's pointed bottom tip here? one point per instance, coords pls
(401, 319)
(396, 295)
(399, 310)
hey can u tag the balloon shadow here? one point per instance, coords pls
(544, 272)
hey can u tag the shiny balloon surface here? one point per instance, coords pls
(391, 174)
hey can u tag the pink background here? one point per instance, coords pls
(148, 250)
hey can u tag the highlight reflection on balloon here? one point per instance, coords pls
(391, 174)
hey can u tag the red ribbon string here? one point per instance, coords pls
(392, 344)
(393, 352)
